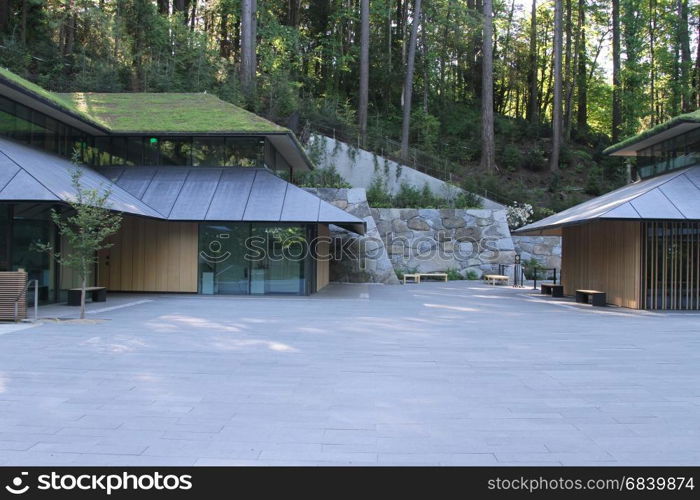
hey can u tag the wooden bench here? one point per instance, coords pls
(494, 278)
(597, 298)
(414, 277)
(442, 276)
(552, 289)
(97, 293)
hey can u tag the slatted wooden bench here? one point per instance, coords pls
(598, 298)
(96, 293)
(496, 278)
(422, 276)
(552, 289)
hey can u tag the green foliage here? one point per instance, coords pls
(377, 194)
(321, 178)
(454, 274)
(85, 228)
(411, 197)
(401, 271)
(472, 275)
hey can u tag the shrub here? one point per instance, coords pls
(400, 272)
(534, 160)
(518, 214)
(377, 194)
(509, 158)
(454, 274)
(472, 275)
(322, 178)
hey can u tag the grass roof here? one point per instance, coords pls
(139, 112)
(693, 117)
(168, 112)
(43, 94)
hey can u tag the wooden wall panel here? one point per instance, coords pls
(323, 264)
(605, 256)
(151, 256)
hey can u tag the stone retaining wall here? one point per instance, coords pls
(544, 249)
(431, 240)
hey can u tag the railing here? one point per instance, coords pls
(554, 276)
(36, 299)
(427, 163)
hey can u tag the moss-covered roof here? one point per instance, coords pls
(43, 94)
(693, 117)
(168, 112)
(139, 112)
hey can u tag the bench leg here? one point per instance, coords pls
(599, 300)
(99, 295)
(557, 292)
(73, 297)
(581, 297)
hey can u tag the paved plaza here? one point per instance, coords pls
(456, 373)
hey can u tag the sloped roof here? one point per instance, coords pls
(673, 196)
(173, 193)
(670, 128)
(226, 194)
(30, 175)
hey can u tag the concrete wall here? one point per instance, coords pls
(431, 240)
(359, 168)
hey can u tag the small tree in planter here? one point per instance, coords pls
(86, 226)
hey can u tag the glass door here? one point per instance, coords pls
(222, 265)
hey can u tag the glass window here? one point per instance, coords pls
(208, 151)
(5, 237)
(176, 151)
(7, 117)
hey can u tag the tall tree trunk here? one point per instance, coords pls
(556, 106)
(696, 86)
(364, 71)
(687, 103)
(652, 61)
(617, 83)
(224, 46)
(488, 145)
(582, 84)
(408, 83)
(568, 72)
(293, 13)
(247, 47)
(163, 7)
(4, 14)
(533, 105)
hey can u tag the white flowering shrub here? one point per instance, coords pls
(518, 214)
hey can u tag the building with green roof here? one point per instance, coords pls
(196, 178)
(639, 244)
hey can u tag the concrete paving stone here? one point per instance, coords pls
(437, 374)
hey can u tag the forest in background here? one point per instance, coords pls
(563, 79)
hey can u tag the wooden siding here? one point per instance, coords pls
(605, 256)
(323, 262)
(12, 283)
(151, 256)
